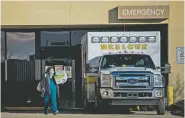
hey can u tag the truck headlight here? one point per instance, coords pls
(158, 93)
(106, 80)
(158, 81)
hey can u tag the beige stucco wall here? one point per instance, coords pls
(176, 39)
(78, 13)
(61, 13)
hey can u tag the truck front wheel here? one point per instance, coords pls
(89, 106)
(160, 109)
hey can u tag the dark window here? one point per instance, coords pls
(77, 35)
(20, 56)
(3, 46)
(3, 53)
(20, 45)
(52, 39)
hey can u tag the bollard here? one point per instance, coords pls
(170, 95)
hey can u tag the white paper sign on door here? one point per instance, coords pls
(68, 70)
(61, 75)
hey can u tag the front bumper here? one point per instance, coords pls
(132, 97)
(125, 94)
(133, 102)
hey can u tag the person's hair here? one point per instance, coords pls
(48, 69)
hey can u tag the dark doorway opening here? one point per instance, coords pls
(64, 56)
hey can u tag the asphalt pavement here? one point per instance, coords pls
(135, 114)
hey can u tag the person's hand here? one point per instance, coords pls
(54, 73)
(43, 89)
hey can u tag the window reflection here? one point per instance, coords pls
(2, 46)
(52, 39)
(77, 35)
(20, 45)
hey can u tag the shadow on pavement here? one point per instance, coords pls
(70, 112)
(177, 108)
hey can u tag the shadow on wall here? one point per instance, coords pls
(113, 18)
(178, 88)
(178, 107)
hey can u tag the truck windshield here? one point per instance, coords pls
(127, 60)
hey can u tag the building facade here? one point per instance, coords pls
(74, 17)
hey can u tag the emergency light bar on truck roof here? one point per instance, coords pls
(123, 39)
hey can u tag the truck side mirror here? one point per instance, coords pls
(96, 69)
(166, 68)
(87, 67)
(157, 67)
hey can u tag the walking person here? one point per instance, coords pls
(49, 90)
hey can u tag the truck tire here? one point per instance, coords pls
(160, 109)
(90, 108)
(98, 105)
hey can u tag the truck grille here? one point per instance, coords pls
(127, 94)
(131, 80)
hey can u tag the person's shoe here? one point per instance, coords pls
(55, 113)
(46, 113)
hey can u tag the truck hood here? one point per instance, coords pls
(122, 69)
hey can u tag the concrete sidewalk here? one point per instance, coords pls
(81, 115)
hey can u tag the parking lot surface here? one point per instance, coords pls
(147, 114)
